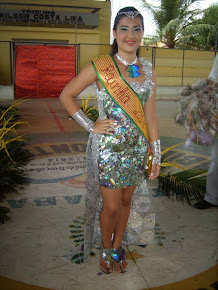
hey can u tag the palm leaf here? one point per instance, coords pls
(12, 107)
(85, 102)
(171, 147)
(90, 111)
(175, 19)
(14, 155)
(185, 185)
(171, 164)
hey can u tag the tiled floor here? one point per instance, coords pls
(33, 243)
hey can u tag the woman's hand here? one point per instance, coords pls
(107, 126)
(155, 171)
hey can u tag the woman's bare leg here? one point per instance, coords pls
(112, 203)
(122, 221)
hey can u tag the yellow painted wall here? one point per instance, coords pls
(5, 71)
(169, 64)
(99, 35)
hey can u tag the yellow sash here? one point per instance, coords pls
(120, 91)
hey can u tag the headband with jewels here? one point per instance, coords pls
(131, 14)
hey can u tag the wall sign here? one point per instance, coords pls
(48, 17)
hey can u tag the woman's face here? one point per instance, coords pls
(129, 34)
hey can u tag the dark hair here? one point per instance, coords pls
(114, 47)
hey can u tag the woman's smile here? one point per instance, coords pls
(130, 43)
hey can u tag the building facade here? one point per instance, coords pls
(40, 42)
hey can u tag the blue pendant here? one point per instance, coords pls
(133, 70)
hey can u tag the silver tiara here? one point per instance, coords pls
(131, 14)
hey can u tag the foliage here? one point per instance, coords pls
(12, 170)
(13, 111)
(185, 185)
(91, 111)
(179, 25)
(170, 164)
(151, 39)
(14, 155)
(8, 127)
(203, 34)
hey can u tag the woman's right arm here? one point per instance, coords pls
(67, 97)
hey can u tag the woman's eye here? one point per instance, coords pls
(124, 29)
(138, 29)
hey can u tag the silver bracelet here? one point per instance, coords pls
(84, 120)
(156, 150)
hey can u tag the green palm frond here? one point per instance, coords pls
(90, 111)
(12, 112)
(150, 39)
(12, 173)
(8, 126)
(172, 24)
(85, 101)
(176, 19)
(14, 155)
(186, 185)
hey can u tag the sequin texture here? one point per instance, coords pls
(123, 157)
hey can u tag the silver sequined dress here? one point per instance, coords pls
(119, 161)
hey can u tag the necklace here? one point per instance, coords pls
(132, 68)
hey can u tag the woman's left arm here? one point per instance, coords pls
(153, 132)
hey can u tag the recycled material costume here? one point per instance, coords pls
(119, 161)
(198, 112)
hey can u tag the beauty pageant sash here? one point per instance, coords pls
(121, 92)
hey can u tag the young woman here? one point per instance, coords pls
(118, 148)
